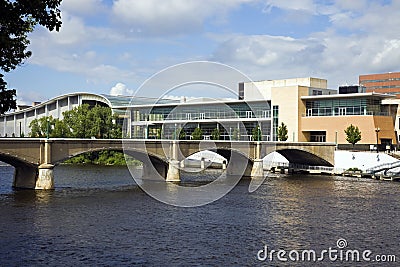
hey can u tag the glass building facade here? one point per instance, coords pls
(232, 120)
(346, 107)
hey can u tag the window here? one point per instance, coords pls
(266, 114)
(52, 106)
(275, 122)
(318, 136)
(73, 100)
(316, 92)
(241, 91)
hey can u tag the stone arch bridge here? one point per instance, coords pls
(35, 158)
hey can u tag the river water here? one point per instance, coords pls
(97, 216)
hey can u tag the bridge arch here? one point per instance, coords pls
(15, 161)
(151, 162)
(237, 161)
(302, 157)
(25, 172)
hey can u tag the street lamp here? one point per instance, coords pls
(336, 139)
(47, 128)
(175, 133)
(377, 130)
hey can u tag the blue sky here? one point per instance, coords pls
(114, 46)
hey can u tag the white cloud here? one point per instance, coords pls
(28, 97)
(121, 89)
(361, 38)
(156, 17)
(299, 5)
(86, 7)
(339, 59)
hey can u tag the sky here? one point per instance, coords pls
(114, 47)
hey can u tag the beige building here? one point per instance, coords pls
(314, 113)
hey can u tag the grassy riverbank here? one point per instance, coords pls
(114, 158)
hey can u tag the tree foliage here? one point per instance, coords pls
(80, 122)
(7, 100)
(353, 134)
(98, 121)
(256, 133)
(282, 132)
(44, 126)
(215, 134)
(17, 19)
(197, 134)
(179, 134)
(236, 134)
(105, 157)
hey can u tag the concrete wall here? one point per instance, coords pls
(345, 160)
(262, 89)
(366, 124)
(291, 109)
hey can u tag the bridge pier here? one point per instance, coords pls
(258, 169)
(32, 177)
(45, 179)
(173, 174)
(243, 169)
(25, 177)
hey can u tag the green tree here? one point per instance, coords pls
(60, 129)
(353, 134)
(103, 123)
(79, 122)
(236, 134)
(282, 132)
(180, 133)
(86, 122)
(18, 18)
(7, 100)
(197, 134)
(43, 126)
(215, 134)
(159, 133)
(256, 133)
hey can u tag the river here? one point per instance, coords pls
(98, 216)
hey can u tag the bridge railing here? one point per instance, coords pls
(383, 167)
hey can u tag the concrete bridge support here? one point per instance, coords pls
(154, 169)
(45, 175)
(257, 169)
(32, 177)
(45, 179)
(173, 174)
(25, 177)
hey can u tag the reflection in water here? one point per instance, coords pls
(99, 216)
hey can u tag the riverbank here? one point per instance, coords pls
(106, 158)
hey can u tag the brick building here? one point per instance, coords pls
(384, 83)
